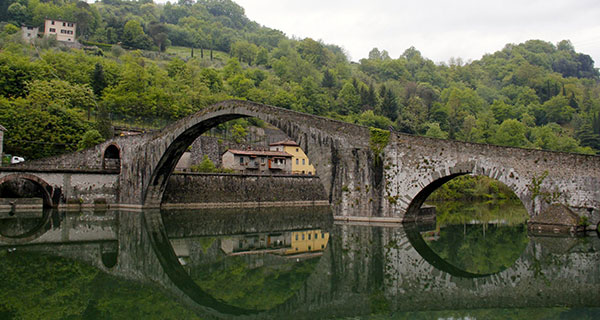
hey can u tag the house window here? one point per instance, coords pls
(322, 246)
(309, 248)
(64, 24)
(309, 236)
(262, 160)
(52, 30)
(303, 236)
(297, 161)
(241, 160)
(296, 237)
(316, 235)
(52, 23)
(303, 162)
(296, 149)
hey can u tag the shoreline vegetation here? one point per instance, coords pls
(473, 188)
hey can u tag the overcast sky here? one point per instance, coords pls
(440, 29)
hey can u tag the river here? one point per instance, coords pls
(475, 261)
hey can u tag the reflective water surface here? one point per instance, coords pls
(476, 261)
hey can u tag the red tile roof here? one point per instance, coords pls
(260, 153)
(285, 143)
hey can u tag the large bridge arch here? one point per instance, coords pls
(418, 165)
(325, 141)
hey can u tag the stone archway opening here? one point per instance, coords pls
(25, 206)
(260, 174)
(468, 225)
(112, 158)
(243, 161)
(25, 191)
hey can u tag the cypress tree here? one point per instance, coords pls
(98, 80)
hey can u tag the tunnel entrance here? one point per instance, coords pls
(479, 226)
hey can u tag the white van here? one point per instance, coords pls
(15, 160)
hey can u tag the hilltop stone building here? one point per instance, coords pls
(29, 33)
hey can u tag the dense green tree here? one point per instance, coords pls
(98, 80)
(134, 36)
(511, 133)
(89, 139)
(434, 131)
(348, 99)
(389, 103)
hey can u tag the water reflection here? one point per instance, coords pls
(479, 238)
(23, 225)
(243, 268)
(241, 262)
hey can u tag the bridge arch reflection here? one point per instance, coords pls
(164, 227)
(450, 256)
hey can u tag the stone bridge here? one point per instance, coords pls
(379, 175)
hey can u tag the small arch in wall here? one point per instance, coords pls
(109, 254)
(111, 159)
(42, 188)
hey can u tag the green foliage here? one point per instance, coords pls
(434, 131)
(134, 36)
(511, 133)
(378, 141)
(255, 288)
(90, 138)
(480, 248)
(10, 28)
(36, 132)
(469, 187)
(34, 286)
(206, 165)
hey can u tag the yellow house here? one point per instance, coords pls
(300, 162)
(308, 241)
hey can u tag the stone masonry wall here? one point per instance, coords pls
(218, 188)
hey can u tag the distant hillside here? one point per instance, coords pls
(534, 94)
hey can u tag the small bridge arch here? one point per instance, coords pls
(44, 189)
(433, 181)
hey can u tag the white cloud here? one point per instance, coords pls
(439, 29)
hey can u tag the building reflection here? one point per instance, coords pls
(296, 244)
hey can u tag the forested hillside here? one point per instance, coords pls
(159, 63)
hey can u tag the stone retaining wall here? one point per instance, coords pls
(193, 188)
